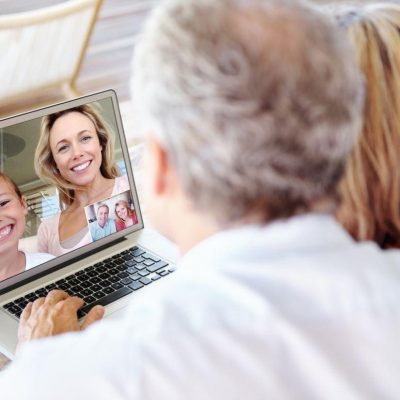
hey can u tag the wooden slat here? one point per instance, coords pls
(108, 58)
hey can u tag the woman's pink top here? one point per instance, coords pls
(120, 225)
(47, 236)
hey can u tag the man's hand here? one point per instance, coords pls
(53, 315)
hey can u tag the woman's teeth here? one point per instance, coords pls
(81, 166)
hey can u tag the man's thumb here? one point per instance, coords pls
(95, 314)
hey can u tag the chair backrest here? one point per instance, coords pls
(44, 47)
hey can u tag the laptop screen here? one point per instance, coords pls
(66, 185)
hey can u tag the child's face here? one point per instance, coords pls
(12, 216)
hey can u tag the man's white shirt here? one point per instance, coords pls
(292, 310)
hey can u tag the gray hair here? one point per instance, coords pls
(257, 103)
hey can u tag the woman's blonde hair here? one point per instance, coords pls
(370, 190)
(46, 167)
(125, 204)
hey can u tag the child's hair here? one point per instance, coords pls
(12, 184)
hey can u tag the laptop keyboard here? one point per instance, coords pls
(104, 282)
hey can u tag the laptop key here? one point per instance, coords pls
(137, 252)
(108, 290)
(74, 282)
(113, 279)
(126, 281)
(157, 266)
(101, 269)
(51, 286)
(23, 304)
(20, 300)
(95, 288)
(135, 277)
(91, 274)
(113, 271)
(99, 295)
(140, 267)
(82, 277)
(130, 263)
(86, 284)
(30, 296)
(151, 257)
(136, 285)
(14, 309)
(163, 273)
(118, 294)
(123, 275)
(104, 275)
(143, 273)
(33, 297)
(95, 280)
(89, 299)
(80, 314)
(132, 270)
(155, 277)
(117, 285)
(86, 292)
(105, 283)
(145, 280)
(76, 289)
(148, 262)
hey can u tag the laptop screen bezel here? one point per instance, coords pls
(61, 261)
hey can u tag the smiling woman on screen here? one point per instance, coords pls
(76, 154)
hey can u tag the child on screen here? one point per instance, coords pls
(13, 210)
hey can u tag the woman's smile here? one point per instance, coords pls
(81, 168)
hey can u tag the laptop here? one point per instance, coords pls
(117, 260)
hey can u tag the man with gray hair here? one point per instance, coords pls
(250, 109)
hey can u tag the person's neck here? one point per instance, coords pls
(11, 264)
(93, 192)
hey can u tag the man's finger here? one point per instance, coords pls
(71, 304)
(26, 313)
(95, 314)
(36, 304)
(55, 296)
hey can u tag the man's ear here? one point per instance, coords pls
(24, 205)
(157, 164)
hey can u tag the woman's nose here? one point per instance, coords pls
(77, 151)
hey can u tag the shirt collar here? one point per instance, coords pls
(304, 233)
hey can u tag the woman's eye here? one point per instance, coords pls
(86, 138)
(62, 148)
(4, 203)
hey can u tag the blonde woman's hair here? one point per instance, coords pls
(45, 165)
(370, 190)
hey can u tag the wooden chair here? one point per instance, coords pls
(44, 49)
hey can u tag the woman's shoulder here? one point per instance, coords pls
(50, 223)
(121, 184)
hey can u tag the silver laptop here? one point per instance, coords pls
(114, 264)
